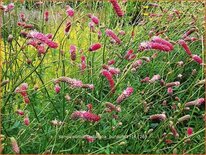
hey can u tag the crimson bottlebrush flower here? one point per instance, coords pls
(28, 26)
(170, 90)
(185, 46)
(26, 121)
(111, 62)
(189, 32)
(85, 115)
(172, 84)
(174, 131)
(90, 139)
(146, 79)
(117, 8)
(109, 78)
(46, 16)
(14, 145)
(22, 89)
(57, 88)
(43, 38)
(154, 78)
(137, 63)
(41, 49)
(20, 112)
(83, 63)
(158, 117)
(125, 94)
(21, 24)
(68, 26)
(73, 82)
(70, 11)
(95, 47)
(112, 107)
(73, 52)
(49, 36)
(155, 46)
(112, 35)
(22, 17)
(94, 19)
(128, 54)
(197, 59)
(189, 131)
(157, 39)
(112, 70)
(9, 7)
(196, 102)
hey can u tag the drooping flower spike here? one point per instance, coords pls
(95, 47)
(125, 94)
(85, 115)
(185, 46)
(117, 8)
(113, 36)
(22, 89)
(110, 79)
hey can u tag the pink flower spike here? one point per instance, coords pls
(117, 8)
(145, 80)
(111, 62)
(154, 78)
(14, 145)
(128, 54)
(70, 12)
(125, 94)
(57, 88)
(95, 19)
(68, 26)
(89, 139)
(46, 16)
(162, 41)
(20, 112)
(9, 7)
(88, 116)
(185, 46)
(26, 121)
(197, 59)
(170, 90)
(189, 131)
(113, 36)
(109, 77)
(95, 47)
